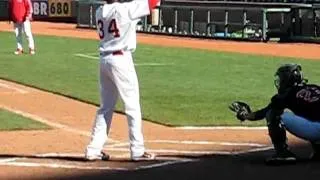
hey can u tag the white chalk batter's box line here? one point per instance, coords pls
(13, 162)
(189, 142)
(10, 87)
(192, 152)
(210, 128)
(167, 160)
(90, 56)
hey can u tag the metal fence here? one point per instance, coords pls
(3, 9)
(307, 22)
(236, 19)
(223, 22)
(86, 13)
(245, 23)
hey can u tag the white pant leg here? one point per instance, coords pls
(27, 30)
(102, 123)
(18, 32)
(125, 78)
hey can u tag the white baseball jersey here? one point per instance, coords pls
(116, 24)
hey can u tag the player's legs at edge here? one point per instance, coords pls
(27, 30)
(298, 126)
(278, 137)
(129, 93)
(18, 33)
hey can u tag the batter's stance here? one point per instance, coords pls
(303, 118)
(116, 26)
(20, 12)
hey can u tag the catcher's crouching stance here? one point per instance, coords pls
(302, 99)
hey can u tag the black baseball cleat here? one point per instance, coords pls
(282, 158)
(102, 156)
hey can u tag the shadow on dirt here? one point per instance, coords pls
(216, 167)
(225, 167)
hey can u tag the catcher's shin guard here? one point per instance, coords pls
(277, 132)
(278, 137)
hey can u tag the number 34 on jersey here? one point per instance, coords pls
(112, 29)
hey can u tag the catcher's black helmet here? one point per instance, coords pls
(287, 76)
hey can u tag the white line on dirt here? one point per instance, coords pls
(50, 123)
(50, 155)
(205, 143)
(136, 64)
(19, 90)
(168, 161)
(254, 150)
(118, 144)
(8, 160)
(193, 143)
(173, 151)
(122, 156)
(165, 164)
(54, 165)
(220, 128)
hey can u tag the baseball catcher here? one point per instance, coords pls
(295, 108)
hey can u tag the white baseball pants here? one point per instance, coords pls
(25, 27)
(117, 77)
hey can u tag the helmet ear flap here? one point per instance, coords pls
(299, 67)
(297, 75)
(277, 81)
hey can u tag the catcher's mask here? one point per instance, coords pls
(287, 76)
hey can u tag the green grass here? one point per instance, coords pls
(10, 121)
(195, 90)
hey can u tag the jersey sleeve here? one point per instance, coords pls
(29, 9)
(277, 105)
(278, 102)
(140, 8)
(153, 4)
(261, 113)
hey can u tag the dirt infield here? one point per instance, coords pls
(204, 153)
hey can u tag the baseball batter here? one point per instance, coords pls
(303, 119)
(21, 14)
(116, 26)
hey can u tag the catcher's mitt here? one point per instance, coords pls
(241, 109)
